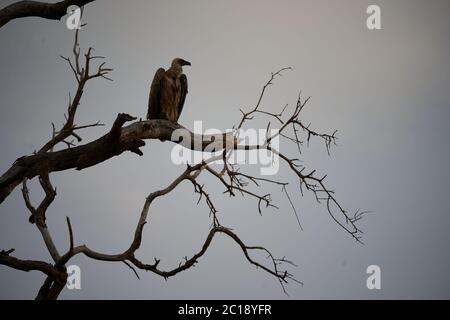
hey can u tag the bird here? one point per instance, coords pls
(168, 92)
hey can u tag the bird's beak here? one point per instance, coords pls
(185, 63)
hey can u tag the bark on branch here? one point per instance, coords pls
(129, 258)
(30, 265)
(118, 140)
(52, 11)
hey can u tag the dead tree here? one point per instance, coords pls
(121, 138)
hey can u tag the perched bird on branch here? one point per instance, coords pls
(168, 92)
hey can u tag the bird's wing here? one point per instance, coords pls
(184, 91)
(154, 105)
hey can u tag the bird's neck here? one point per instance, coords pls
(175, 72)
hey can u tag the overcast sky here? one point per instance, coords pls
(386, 91)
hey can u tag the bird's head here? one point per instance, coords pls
(178, 63)
(177, 66)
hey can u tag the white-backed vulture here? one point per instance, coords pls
(168, 92)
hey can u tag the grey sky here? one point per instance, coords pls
(386, 91)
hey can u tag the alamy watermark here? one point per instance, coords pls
(73, 21)
(374, 279)
(73, 277)
(251, 146)
(373, 21)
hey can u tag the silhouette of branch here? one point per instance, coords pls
(29, 265)
(309, 181)
(52, 11)
(249, 115)
(128, 256)
(82, 75)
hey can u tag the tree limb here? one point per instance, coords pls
(128, 255)
(52, 11)
(29, 265)
(115, 142)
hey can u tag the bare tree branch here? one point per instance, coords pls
(129, 138)
(38, 215)
(29, 265)
(82, 76)
(309, 181)
(191, 173)
(249, 115)
(52, 11)
(51, 288)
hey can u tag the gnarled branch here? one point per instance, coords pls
(191, 173)
(29, 265)
(115, 142)
(52, 11)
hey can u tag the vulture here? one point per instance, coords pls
(168, 92)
